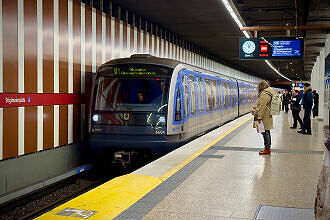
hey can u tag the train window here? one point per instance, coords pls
(224, 89)
(219, 93)
(200, 91)
(186, 95)
(227, 94)
(208, 94)
(214, 94)
(131, 94)
(240, 93)
(178, 106)
(192, 94)
(232, 93)
(235, 93)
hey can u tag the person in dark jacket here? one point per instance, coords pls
(286, 100)
(295, 108)
(308, 104)
(316, 104)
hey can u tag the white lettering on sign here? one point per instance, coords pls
(15, 100)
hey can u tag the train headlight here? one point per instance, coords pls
(95, 118)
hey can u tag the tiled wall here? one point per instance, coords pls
(49, 48)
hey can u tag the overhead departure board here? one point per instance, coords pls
(271, 48)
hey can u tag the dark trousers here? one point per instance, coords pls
(296, 118)
(267, 138)
(286, 106)
(307, 121)
(315, 111)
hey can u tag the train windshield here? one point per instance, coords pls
(132, 94)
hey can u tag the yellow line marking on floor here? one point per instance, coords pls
(115, 196)
(179, 166)
(106, 201)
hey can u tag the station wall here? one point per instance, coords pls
(48, 52)
(319, 82)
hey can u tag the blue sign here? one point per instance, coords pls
(271, 48)
(286, 48)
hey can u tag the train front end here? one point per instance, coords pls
(129, 107)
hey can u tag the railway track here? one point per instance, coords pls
(36, 203)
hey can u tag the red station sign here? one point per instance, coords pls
(35, 99)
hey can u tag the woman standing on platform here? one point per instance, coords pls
(262, 114)
(296, 108)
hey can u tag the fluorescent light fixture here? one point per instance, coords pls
(246, 34)
(269, 64)
(234, 16)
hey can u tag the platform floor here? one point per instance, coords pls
(231, 181)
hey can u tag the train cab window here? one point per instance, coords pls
(178, 106)
(192, 94)
(208, 95)
(214, 94)
(186, 95)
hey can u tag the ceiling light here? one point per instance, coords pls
(235, 17)
(246, 34)
(271, 66)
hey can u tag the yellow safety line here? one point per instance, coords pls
(175, 169)
(115, 196)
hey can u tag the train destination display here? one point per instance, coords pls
(139, 70)
(133, 72)
(271, 48)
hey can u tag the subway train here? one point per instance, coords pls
(146, 103)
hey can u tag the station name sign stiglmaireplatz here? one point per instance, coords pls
(270, 48)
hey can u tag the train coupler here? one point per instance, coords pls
(123, 157)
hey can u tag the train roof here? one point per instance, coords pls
(142, 59)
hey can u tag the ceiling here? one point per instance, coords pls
(208, 24)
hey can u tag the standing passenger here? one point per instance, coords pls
(308, 104)
(295, 108)
(286, 100)
(316, 104)
(262, 109)
(281, 98)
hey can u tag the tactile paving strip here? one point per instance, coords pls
(283, 213)
(273, 150)
(212, 156)
(149, 201)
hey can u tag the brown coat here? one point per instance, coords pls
(263, 108)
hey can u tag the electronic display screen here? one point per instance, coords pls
(286, 48)
(133, 71)
(263, 48)
(137, 70)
